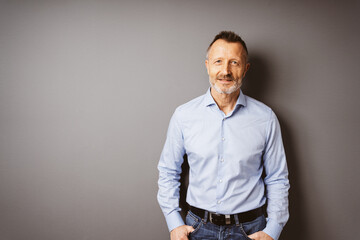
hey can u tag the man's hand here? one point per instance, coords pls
(181, 232)
(260, 236)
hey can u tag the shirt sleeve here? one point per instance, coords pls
(276, 180)
(169, 168)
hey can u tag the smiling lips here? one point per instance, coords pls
(225, 78)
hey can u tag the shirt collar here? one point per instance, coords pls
(209, 100)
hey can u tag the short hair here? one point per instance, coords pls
(230, 37)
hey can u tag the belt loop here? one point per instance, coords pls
(236, 217)
(205, 219)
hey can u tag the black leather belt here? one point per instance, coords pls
(221, 219)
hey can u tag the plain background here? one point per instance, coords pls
(88, 88)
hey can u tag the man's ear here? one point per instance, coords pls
(247, 66)
(207, 65)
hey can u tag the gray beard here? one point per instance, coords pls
(231, 90)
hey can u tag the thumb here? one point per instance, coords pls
(252, 236)
(190, 229)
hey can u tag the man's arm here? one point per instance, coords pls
(276, 180)
(169, 174)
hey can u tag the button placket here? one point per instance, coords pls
(220, 187)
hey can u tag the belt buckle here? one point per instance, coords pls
(227, 218)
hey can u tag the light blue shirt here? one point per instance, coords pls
(227, 155)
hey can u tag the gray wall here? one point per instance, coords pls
(88, 87)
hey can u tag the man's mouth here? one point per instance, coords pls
(225, 79)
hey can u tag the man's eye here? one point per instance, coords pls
(218, 61)
(234, 62)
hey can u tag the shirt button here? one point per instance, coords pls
(223, 139)
(222, 160)
(220, 180)
(219, 202)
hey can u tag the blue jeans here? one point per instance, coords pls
(208, 231)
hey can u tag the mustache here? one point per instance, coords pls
(228, 77)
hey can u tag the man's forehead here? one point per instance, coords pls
(221, 46)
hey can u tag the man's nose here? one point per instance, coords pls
(226, 69)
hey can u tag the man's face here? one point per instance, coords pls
(226, 66)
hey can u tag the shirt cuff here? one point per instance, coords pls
(273, 229)
(174, 220)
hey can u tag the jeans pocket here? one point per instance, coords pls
(194, 221)
(249, 228)
(244, 233)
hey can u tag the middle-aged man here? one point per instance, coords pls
(230, 139)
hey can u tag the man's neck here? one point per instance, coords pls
(226, 102)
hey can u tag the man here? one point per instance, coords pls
(230, 139)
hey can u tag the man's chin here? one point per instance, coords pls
(226, 90)
(223, 90)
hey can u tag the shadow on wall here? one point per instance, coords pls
(258, 87)
(296, 228)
